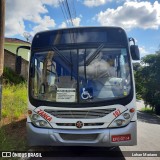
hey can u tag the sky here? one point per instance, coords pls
(139, 18)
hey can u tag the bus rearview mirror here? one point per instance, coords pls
(18, 65)
(135, 52)
(18, 62)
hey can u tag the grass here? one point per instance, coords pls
(14, 101)
(14, 109)
(148, 110)
(10, 77)
(12, 132)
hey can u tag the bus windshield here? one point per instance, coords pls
(80, 75)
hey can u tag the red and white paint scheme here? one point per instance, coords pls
(44, 115)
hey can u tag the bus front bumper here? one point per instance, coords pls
(79, 137)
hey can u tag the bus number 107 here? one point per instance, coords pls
(117, 113)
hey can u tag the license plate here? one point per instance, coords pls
(119, 138)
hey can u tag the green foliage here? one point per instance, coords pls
(14, 100)
(136, 66)
(14, 109)
(147, 79)
(9, 76)
(147, 110)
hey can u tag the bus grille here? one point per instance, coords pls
(79, 137)
(82, 114)
(85, 124)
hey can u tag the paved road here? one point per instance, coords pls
(148, 140)
(148, 135)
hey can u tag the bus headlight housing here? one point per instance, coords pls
(35, 117)
(121, 120)
(126, 115)
(39, 121)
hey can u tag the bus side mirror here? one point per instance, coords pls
(18, 65)
(135, 52)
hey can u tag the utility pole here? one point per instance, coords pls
(2, 22)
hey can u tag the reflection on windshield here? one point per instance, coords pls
(96, 75)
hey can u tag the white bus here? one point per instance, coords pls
(81, 88)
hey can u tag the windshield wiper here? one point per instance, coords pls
(92, 57)
(61, 55)
(65, 59)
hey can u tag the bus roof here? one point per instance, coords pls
(80, 35)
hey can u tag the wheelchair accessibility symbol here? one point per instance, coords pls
(87, 93)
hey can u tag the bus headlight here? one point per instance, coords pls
(39, 121)
(35, 117)
(126, 115)
(119, 123)
(121, 120)
(42, 123)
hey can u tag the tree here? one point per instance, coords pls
(148, 81)
(136, 66)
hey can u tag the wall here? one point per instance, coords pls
(9, 61)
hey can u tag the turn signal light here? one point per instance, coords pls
(29, 112)
(132, 110)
